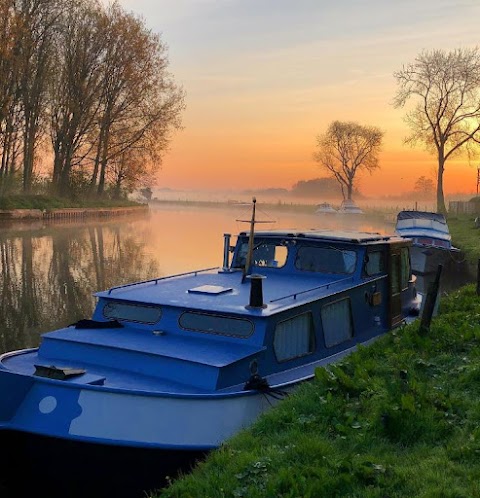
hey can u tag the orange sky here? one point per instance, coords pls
(263, 78)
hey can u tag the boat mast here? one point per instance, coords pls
(248, 259)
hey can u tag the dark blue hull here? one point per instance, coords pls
(47, 467)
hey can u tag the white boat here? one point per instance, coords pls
(348, 206)
(325, 208)
(431, 239)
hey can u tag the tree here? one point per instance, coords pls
(446, 114)
(347, 148)
(74, 89)
(35, 58)
(139, 99)
(425, 186)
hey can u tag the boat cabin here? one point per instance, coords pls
(321, 293)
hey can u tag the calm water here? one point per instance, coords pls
(49, 272)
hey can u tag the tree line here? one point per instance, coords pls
(444, 89)
(87, 104)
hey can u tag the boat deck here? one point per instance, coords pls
(152, 364)
(226, 293)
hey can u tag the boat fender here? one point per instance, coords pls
(94, 324)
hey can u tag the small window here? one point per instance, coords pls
(294, 337)
(132, 312)
(375, 263)
(326, 260)
(216, 324)
(337, 322)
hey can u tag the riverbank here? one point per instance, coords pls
(68, 213)
(31, 208)
(465, 236)
(398, 418)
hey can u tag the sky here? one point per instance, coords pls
(263, 78)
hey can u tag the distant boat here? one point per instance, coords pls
(348, 206)
(325, 208)
(431, 239)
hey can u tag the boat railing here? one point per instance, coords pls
(156, 280)
(326, 286)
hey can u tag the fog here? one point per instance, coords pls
(285, 197)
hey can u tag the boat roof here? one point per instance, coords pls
(228, 292)
(423, 215)
(348, 236)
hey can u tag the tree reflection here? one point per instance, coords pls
(48, 275)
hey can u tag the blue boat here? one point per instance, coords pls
(179, 364)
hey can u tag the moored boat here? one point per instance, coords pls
(178, 364)
(431, 239)
(348, 207)
(325, 208)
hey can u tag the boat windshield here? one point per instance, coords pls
(326, 259)
(265, 254)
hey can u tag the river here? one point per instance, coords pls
(49, 272)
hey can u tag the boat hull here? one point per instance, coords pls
(59, 468)
(425, 259)
(120, 417)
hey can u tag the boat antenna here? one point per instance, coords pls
(248, 259)
(252, 221)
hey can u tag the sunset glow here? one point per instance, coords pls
(264, 78)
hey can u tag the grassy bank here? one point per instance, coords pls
(465, 235)
(399, 418)
(49, 202)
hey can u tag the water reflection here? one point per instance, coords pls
(48, 275)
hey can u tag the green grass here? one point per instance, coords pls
(49, 202)
(398, 418)
(465, 235)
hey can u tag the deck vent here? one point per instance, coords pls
(256, 291)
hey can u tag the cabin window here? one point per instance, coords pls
(216, 324)
(326, 260)
(265, 254)
(116, 310)
(405, 267)
(337, 322)
(375, 263)
(294, 337)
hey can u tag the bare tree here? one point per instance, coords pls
(10, 119)
(74, 89)
(35, 57)
(346, 149)
(446, 115)
(425, 186)
(139, 97)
